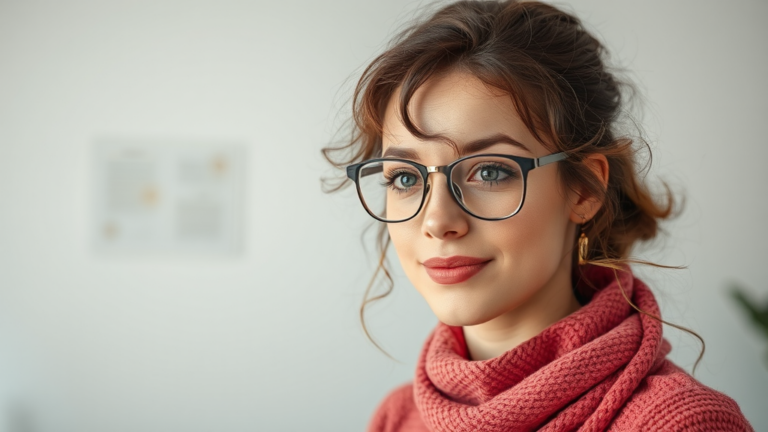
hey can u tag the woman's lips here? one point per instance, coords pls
(453, 270)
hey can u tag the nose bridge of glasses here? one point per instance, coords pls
(456, 191)
(434, 169)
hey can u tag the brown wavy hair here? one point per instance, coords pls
(556, 75)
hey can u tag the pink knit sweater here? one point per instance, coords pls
(600, 368)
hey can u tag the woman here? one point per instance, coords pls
(487, 143)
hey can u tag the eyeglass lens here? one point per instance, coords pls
(486, 186)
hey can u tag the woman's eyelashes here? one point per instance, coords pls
(401, 180)
(493, 173)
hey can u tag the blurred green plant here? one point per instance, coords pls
(758, 314)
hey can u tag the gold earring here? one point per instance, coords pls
(583, 245)
(583, 248)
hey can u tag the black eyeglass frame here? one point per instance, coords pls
(526, 164)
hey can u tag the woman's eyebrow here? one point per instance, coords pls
(483, 143)
(399, 152)
(468, 148)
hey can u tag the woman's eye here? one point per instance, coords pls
(405, 181)
(491, 174)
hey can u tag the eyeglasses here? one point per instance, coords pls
(487, 186)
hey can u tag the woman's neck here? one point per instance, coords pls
(554, 301)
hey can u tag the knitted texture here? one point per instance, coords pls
(601, 368)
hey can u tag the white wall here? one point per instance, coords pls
(269, 339)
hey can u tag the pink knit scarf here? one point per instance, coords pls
(575, 375)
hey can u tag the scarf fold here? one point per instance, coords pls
(574, 375)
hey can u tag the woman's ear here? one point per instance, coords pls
(584, 205)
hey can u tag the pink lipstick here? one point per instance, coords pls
(453, 270)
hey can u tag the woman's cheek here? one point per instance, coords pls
(405, 244)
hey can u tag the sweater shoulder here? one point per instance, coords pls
(671, 400)
(397, 412)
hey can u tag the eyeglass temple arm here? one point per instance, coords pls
(548, 159)
(351, 171)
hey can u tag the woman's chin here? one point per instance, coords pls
(460, 317)
(456, 308)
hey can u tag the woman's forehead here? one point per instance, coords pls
(462, 110)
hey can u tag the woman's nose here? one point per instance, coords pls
(442, 217)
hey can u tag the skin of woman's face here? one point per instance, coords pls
(528, 255)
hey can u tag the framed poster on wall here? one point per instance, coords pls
(167, 197)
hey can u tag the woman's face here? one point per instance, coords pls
(519, 257)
